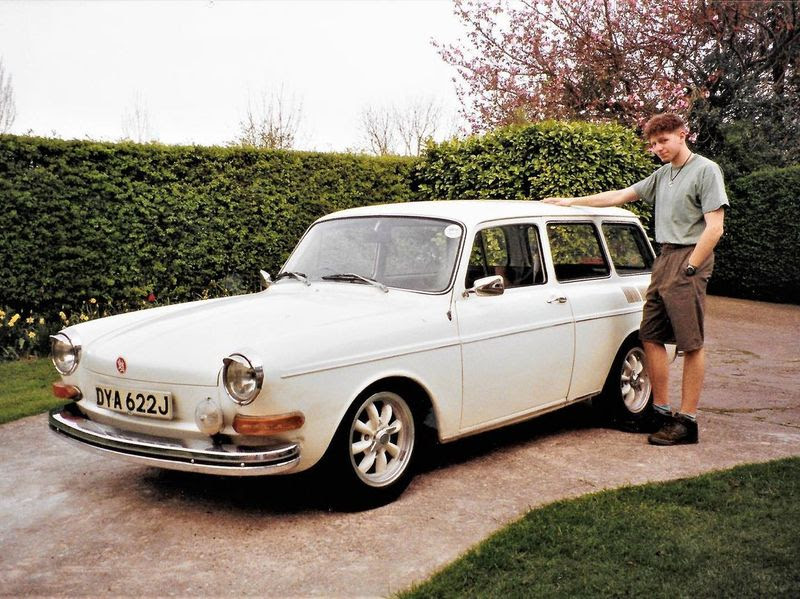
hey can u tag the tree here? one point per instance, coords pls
(8, 108)
(417, 123)
(272, 123)
(136, 124)
(624, 60)
(414, 123)
(378, 129)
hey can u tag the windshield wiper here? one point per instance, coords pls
(295, 275)
(354, 278)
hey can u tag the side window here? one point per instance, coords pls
(628, 248)
(577, 253)
(512, 251)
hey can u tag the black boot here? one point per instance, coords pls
(681, 430)
(651, 423)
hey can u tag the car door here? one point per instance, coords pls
(517, 348)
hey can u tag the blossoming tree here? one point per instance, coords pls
(624, 60)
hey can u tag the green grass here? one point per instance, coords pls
(727, 534)
(26, 388)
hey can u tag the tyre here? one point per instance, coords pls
(627, 394)
(371, 459)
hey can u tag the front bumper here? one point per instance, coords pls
(174, 454)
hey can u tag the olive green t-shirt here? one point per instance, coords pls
(679, 208)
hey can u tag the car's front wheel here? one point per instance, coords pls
(371, 458)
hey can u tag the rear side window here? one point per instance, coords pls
(577, 253)
(628, 248)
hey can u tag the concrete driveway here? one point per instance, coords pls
(73, 523)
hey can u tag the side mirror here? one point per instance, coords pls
(266, 278)
(487, 286)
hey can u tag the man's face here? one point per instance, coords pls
(667, 145)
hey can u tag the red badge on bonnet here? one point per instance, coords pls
(121, 365)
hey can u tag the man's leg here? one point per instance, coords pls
(694, 368)
(683, 429)
(658, 371)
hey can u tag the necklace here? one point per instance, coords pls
(675, 176)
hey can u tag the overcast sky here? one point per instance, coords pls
(78, 67)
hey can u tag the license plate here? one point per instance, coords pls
(151, 404)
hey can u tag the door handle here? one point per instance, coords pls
(558, 298)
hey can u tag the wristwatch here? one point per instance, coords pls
(690, 270)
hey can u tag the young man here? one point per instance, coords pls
(689, 196)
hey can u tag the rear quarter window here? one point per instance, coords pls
(630, 252)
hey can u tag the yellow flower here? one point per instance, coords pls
(41, 321)
(2, 315)
(84, 318)
(62, 315)
(92, 301)
(29, 320)
(13, 320)
(31, 335)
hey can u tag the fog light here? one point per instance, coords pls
(208, 417)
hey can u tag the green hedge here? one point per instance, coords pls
(757, 255)
(535, 161)
(118, 221)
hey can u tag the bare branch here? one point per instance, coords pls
(136, 125)
(377, 128)
(8, 108)
(272, 122)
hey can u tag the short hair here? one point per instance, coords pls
(666, 122)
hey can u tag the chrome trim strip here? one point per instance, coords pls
(174, 454)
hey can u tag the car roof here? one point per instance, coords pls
(472, 212)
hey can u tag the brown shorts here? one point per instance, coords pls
(675, 303)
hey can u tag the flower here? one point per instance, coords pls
(31, 335)
(13, 320)
(92, 300)
(84, 318)
(2, 315)
(41, 321)
(151, 297)
(29, 320)
(63, 316)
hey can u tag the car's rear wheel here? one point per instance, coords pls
(628, 394)
(371, 458)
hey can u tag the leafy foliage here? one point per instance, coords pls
(756, 257)
(117, 222)
(529, 162)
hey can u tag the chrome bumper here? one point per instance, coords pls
(174, 454)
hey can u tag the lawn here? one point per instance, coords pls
(25, 388)
(727, 534)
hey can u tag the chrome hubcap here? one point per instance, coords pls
(381, 439)
(634, 382)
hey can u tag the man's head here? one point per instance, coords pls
(666, 134)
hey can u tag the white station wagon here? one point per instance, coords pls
(388, 326)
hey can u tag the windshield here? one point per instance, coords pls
(418, 254)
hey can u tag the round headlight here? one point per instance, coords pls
(242, 378)
(65, 352)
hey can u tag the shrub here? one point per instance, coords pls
(118, 222)
(756, 257)
(529, 162)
